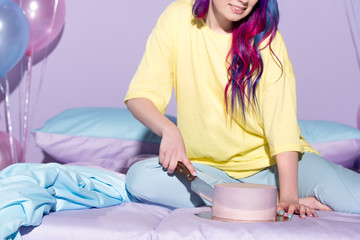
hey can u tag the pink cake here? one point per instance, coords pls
(244, 202)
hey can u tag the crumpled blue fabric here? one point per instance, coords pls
(30, 190)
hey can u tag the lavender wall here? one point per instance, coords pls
(102, 44)
(322, 43)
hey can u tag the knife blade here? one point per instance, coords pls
(198, 186)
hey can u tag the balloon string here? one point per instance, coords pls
(21, 99)
(355, 18)
(44, 62)
(352, 31)
(43, 66)
(27, 104)
(357, 28)
(51, 29)
(9, 120)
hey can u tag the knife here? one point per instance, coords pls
(198, 186)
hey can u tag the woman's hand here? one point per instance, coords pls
(172, 147)
(289, 209)
(172, 150)
(288, 204)
(312, 202)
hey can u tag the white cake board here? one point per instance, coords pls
(207, 215)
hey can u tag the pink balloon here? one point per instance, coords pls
(46, 19)
(5, 150)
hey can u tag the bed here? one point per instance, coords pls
(141, 221)
(110, 140)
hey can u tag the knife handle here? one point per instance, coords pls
(182, 169)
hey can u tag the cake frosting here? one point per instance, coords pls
(244, 202)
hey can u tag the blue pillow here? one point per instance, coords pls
(106, 137)
(327, 131)
(100, 122)
(112, 138)
(336, 142)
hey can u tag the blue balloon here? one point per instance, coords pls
(14, 35)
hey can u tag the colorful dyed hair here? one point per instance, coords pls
(245, 62)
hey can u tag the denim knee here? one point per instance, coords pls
(138, 180)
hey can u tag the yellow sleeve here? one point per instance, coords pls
(154, 76)
(279, 101)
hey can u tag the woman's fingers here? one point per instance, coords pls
(280, 211)
(174, 161)
(291, 210)
(172, 165)
(165, 161)
(169, 162)
(189, 166)
(172, 150)
(314, 213)
(288, 210)
(161, 157)
(311, 212)
(302, 211)
(306, 211)
(166, 156)
(314, 203)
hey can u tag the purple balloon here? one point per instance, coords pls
(5, 150)
(46, 19)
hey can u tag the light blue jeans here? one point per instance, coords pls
(332, 184)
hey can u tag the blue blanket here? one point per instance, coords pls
(30, 190)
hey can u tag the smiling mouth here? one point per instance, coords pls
(237, 9)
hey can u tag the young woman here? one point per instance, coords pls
(236, 110)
